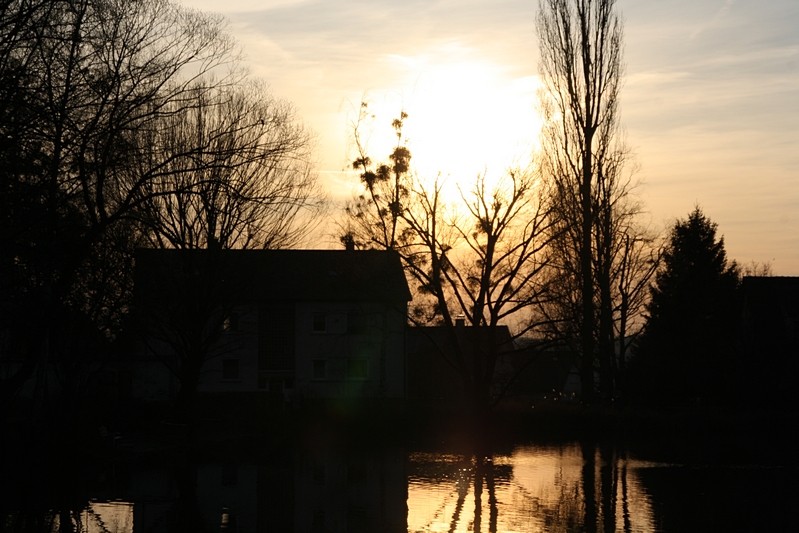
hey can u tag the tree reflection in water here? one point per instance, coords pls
(576, 487)
(567, 488)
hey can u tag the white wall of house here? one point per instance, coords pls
(342, 350)
(349, 350)
(233, 366)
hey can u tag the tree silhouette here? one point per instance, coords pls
(687, 347)
(78, 77)
(580, 42)
(93, 94)
(480, 258)
(247, 185)
(237, 173)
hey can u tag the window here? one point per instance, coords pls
(230, 369)
(319, 323)
(357, 369)
(319, 369)
(357, 518)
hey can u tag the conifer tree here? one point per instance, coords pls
(685, 354)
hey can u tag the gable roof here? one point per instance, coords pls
(318, 275)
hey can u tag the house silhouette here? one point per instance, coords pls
(770, 341)
(303, 324)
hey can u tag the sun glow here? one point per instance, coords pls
(465, 117)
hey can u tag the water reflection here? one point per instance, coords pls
(536, 488)
(94, 517)
(583, 487)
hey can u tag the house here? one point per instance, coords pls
(304, 324)
(770, 340)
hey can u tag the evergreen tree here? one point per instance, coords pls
(686, 352)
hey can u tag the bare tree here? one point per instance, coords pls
(237, 174)
(756, 268)
(580, 43)
(374, 216)
(636, 262)
(83, 79)
(625, 256)
(478, 258)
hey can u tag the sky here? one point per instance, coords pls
(710, 104)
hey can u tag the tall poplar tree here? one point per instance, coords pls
(580, 43)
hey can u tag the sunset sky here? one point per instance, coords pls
(710, 104)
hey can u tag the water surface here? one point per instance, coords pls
(532, 487)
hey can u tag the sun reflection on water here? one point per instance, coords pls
(99, 517)
(533, 489)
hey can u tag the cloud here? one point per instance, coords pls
(720, 14)
(240, 6)
(711, 100)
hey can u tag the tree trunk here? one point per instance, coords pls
(589, 487)
(606, 348)
(586, 272)
(186, 401)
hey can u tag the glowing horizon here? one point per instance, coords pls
(710, 102)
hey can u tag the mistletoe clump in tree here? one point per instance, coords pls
(479, 256)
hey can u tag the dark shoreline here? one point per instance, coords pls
(678, 436)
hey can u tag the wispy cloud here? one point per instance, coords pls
(717, 17)
(241, 6)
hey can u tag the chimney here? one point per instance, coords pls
(460, 321)
(349, 242)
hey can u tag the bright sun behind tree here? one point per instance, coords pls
(465, 118)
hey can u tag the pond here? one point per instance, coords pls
(326, 487)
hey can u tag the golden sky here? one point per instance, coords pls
(710, 104)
